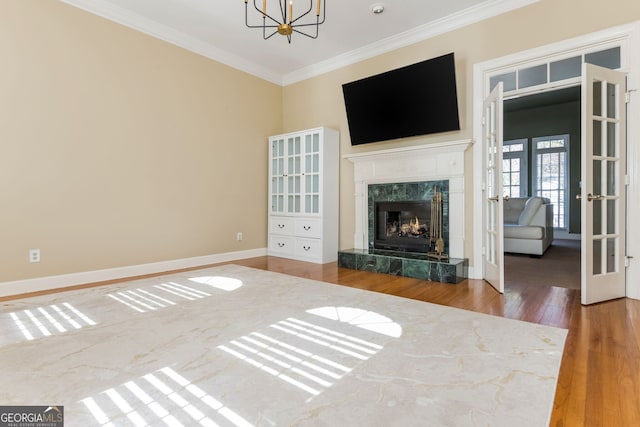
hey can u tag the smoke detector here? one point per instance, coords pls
(377, 8)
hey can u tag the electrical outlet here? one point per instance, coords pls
(239, 236)
(34, 255)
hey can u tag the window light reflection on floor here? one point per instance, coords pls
(163, 295)
(177, 402)
(302, 353)
(219, 282)
(364, 319)
(170, 293)
(47, 321)
(196, 293)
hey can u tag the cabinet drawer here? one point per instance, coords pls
(308, 228)
(281, 245)
(308, 248)
(280, 225)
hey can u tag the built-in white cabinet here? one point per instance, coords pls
(303, 195)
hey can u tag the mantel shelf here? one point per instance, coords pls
(425, 149)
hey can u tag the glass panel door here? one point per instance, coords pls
(603, 192)
(294, 173)
(312, 173)
(493, 202)
(277, 176)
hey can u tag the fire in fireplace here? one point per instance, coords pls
(403, 225)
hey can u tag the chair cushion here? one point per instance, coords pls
(512, 209)
(530, 209)
(512, 231)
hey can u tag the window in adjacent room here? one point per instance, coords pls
(551, 175)
(514, 167)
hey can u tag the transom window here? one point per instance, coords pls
(557, 70)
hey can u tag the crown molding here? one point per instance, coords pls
(465, 17)
(152, 28)
(480, 12)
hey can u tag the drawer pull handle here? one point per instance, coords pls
(307, 227)
(281, 245)
(281, 226)
(306, 248)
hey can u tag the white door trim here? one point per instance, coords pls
(628, 37)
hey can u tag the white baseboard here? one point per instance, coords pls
(65, 280)
(474, 273)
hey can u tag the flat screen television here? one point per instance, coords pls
(418, 99)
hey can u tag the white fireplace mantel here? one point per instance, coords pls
(427, 162)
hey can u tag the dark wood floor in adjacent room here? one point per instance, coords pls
(599, 383)
(559, 266)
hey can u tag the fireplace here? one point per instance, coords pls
(407, 174)
(403, 225)
(400, 216)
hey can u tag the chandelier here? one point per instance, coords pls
(286, 25)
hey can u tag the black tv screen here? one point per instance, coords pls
(418, 99)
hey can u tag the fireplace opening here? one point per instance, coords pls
(403, 225)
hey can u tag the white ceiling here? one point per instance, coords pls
(215, 28)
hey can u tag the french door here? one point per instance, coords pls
(603, 193)
(493, 200)
(603, 190)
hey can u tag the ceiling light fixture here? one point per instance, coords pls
(377, 8)
(287, 25)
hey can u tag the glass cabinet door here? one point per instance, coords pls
(312, 173)
(294, 174)
(277, 176)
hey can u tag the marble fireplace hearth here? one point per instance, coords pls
(409, 173)
(404, 263)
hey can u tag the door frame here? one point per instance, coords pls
(626, 37)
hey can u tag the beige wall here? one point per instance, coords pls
(539, 24)
(119, 149)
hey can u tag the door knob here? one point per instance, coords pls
(590, 197)
(496, 198)
(594, 197)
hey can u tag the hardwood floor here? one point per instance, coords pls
(599, 382)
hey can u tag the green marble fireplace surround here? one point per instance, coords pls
(407, 192)
(402, 262)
